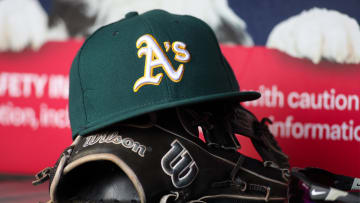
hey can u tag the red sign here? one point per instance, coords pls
(34, 122)
(314, 108)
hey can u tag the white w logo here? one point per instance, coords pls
(155, 58)
(178, 164)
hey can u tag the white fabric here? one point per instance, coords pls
(318, 34)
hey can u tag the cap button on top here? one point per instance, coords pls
(131, 14)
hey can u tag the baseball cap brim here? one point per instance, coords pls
(130, 113)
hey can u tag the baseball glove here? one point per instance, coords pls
(158, 157)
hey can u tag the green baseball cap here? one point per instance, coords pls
(145, 63)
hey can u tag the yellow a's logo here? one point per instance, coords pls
(155, 58)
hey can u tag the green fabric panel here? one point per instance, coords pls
(104, 72)
(77, 112)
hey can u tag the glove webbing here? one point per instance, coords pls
(220, 126)
(217, 132)
(245, 123)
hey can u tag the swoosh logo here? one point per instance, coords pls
(356, 184)
(316, 193)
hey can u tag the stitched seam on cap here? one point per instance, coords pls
(78, 67)
(170, 35)
(165, 77)
(211, 33)
(169, 84)
(81, 85)
(224, 66)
